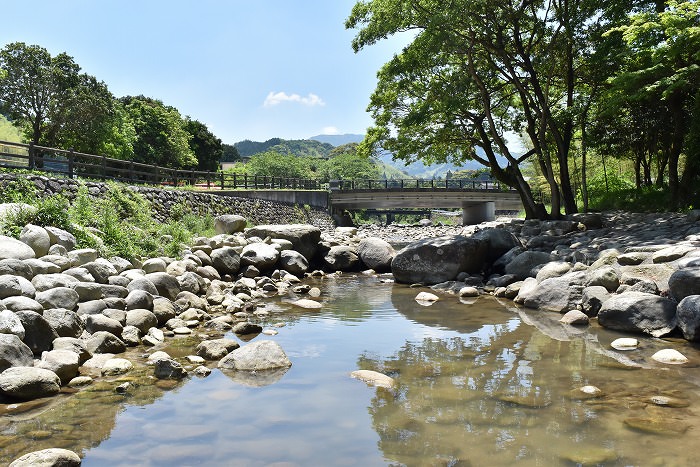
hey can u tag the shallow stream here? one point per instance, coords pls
(478, 383)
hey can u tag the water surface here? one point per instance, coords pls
(478, 383)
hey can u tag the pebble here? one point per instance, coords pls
(625, 343)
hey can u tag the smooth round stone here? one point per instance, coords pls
(48, 457)
(314, 292)
(468, 292)
(155, 356)
(625, 343)
(374, 378)
(591, 390)
(270, 332)
(670, 356)
(426, 297)
(80, 381)
(307, 304)
(116, 366)
(195, 359)
(182, 331)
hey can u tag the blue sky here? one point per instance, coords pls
(248, 69)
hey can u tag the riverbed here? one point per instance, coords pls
(478, 382)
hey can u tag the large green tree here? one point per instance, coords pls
(207, 148)
(161, 137)
(476, 71)
(35, 87)
(345, 163)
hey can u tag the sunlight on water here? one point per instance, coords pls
(476, 384)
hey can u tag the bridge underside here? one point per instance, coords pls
(477, 206)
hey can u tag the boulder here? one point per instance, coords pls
(11, 324)
(9, 286)
(167, 368)
(15, 249)
(639, 312)
(61, 237)
(139, 299)
(64, 363)
(684, 282)
(91, 307)
(38, 333)
(60, 297)
(154, 265)
(14, 352)
(22, 303)
(52, 457)
(527, 264)
(142, 283)
(82, 256)
(100, 269)
(553, 269)
(592, 299)
(688, 314)
(499, 242)
(142, 319)
(87, 290)
(99, 322)
(74, 345)
(66, 323)
(559, 294)
(131, 336)
(226, 260)
(116, 366)
(16, 267)
(37, 238)
(104, 342)
(575, 318)
(260, 255)
(304, 237)
(167, 285)
(375, 253)
(163, 309)
(342, 258)
(605, 276)
(216, 349)
(27, 383)
(440, 259)
(256, 356)
(294, 262)
(229, 224)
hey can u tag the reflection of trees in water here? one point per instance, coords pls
(503, 393)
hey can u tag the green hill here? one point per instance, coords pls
(296, 147)
(9, 132)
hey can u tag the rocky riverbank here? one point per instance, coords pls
(66, 314)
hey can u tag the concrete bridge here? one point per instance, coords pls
(479, 200)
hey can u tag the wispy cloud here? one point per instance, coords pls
(276, 98)
(330, 130)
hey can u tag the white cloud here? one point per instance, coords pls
(276, 98)
(330, 130)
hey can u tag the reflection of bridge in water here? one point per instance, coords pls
(478, 199)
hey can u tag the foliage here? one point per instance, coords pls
(345, 163)
(274, 164)
(9, 132)
(206, 147)
(301, 148)
(230, 153)
(161, 136)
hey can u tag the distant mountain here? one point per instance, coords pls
(339, 140)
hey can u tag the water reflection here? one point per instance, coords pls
(477, 384)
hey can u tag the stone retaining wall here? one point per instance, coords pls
(163, 201)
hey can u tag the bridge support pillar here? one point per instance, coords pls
(476, 213)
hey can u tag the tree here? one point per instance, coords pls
(35, 87)
(161, 137)
(206, 147)
(345, 163)
(274, 164)
(475, 71)
(230, 153)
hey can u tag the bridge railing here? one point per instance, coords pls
(432, 184)
(72, 164)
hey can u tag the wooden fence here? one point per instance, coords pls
(72, 164)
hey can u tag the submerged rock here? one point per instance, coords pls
(374, 378)
(52, 457)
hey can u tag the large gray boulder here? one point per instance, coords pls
(14, 352)
(37, 238)
(100, 269)
(142, 319)
(38, 333)
(60, 297)
(605, 276)
(10, 286)
(142, 283)
(341, 258)
(216, 349)
(376, 253)
(260, 255)
(559, 294)
(294, 262)
(139, 299)
(499, 241)
(26, 383)
(66, 323)
(52, 457)
(104, 342)
(684, 282)
(11, 324)
(167, 285)
(16, 267)
(64, 363)
(163, 309)
(22, 303)
(304, 237)
(100, 322)
(13, 248)
(74, 345)
(61, 237)
(592, 299)
(639, 312)
(527, 264)
(257, 356)
(44, 282)
(226, 260)
(167, 368)
(87, 290)
(441, 259)
(229, 224)
(688, 314)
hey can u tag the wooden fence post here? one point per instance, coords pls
(31, 161)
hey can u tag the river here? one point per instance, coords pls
(477, 383)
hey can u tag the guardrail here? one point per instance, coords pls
(72, 164)
(412, 184)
